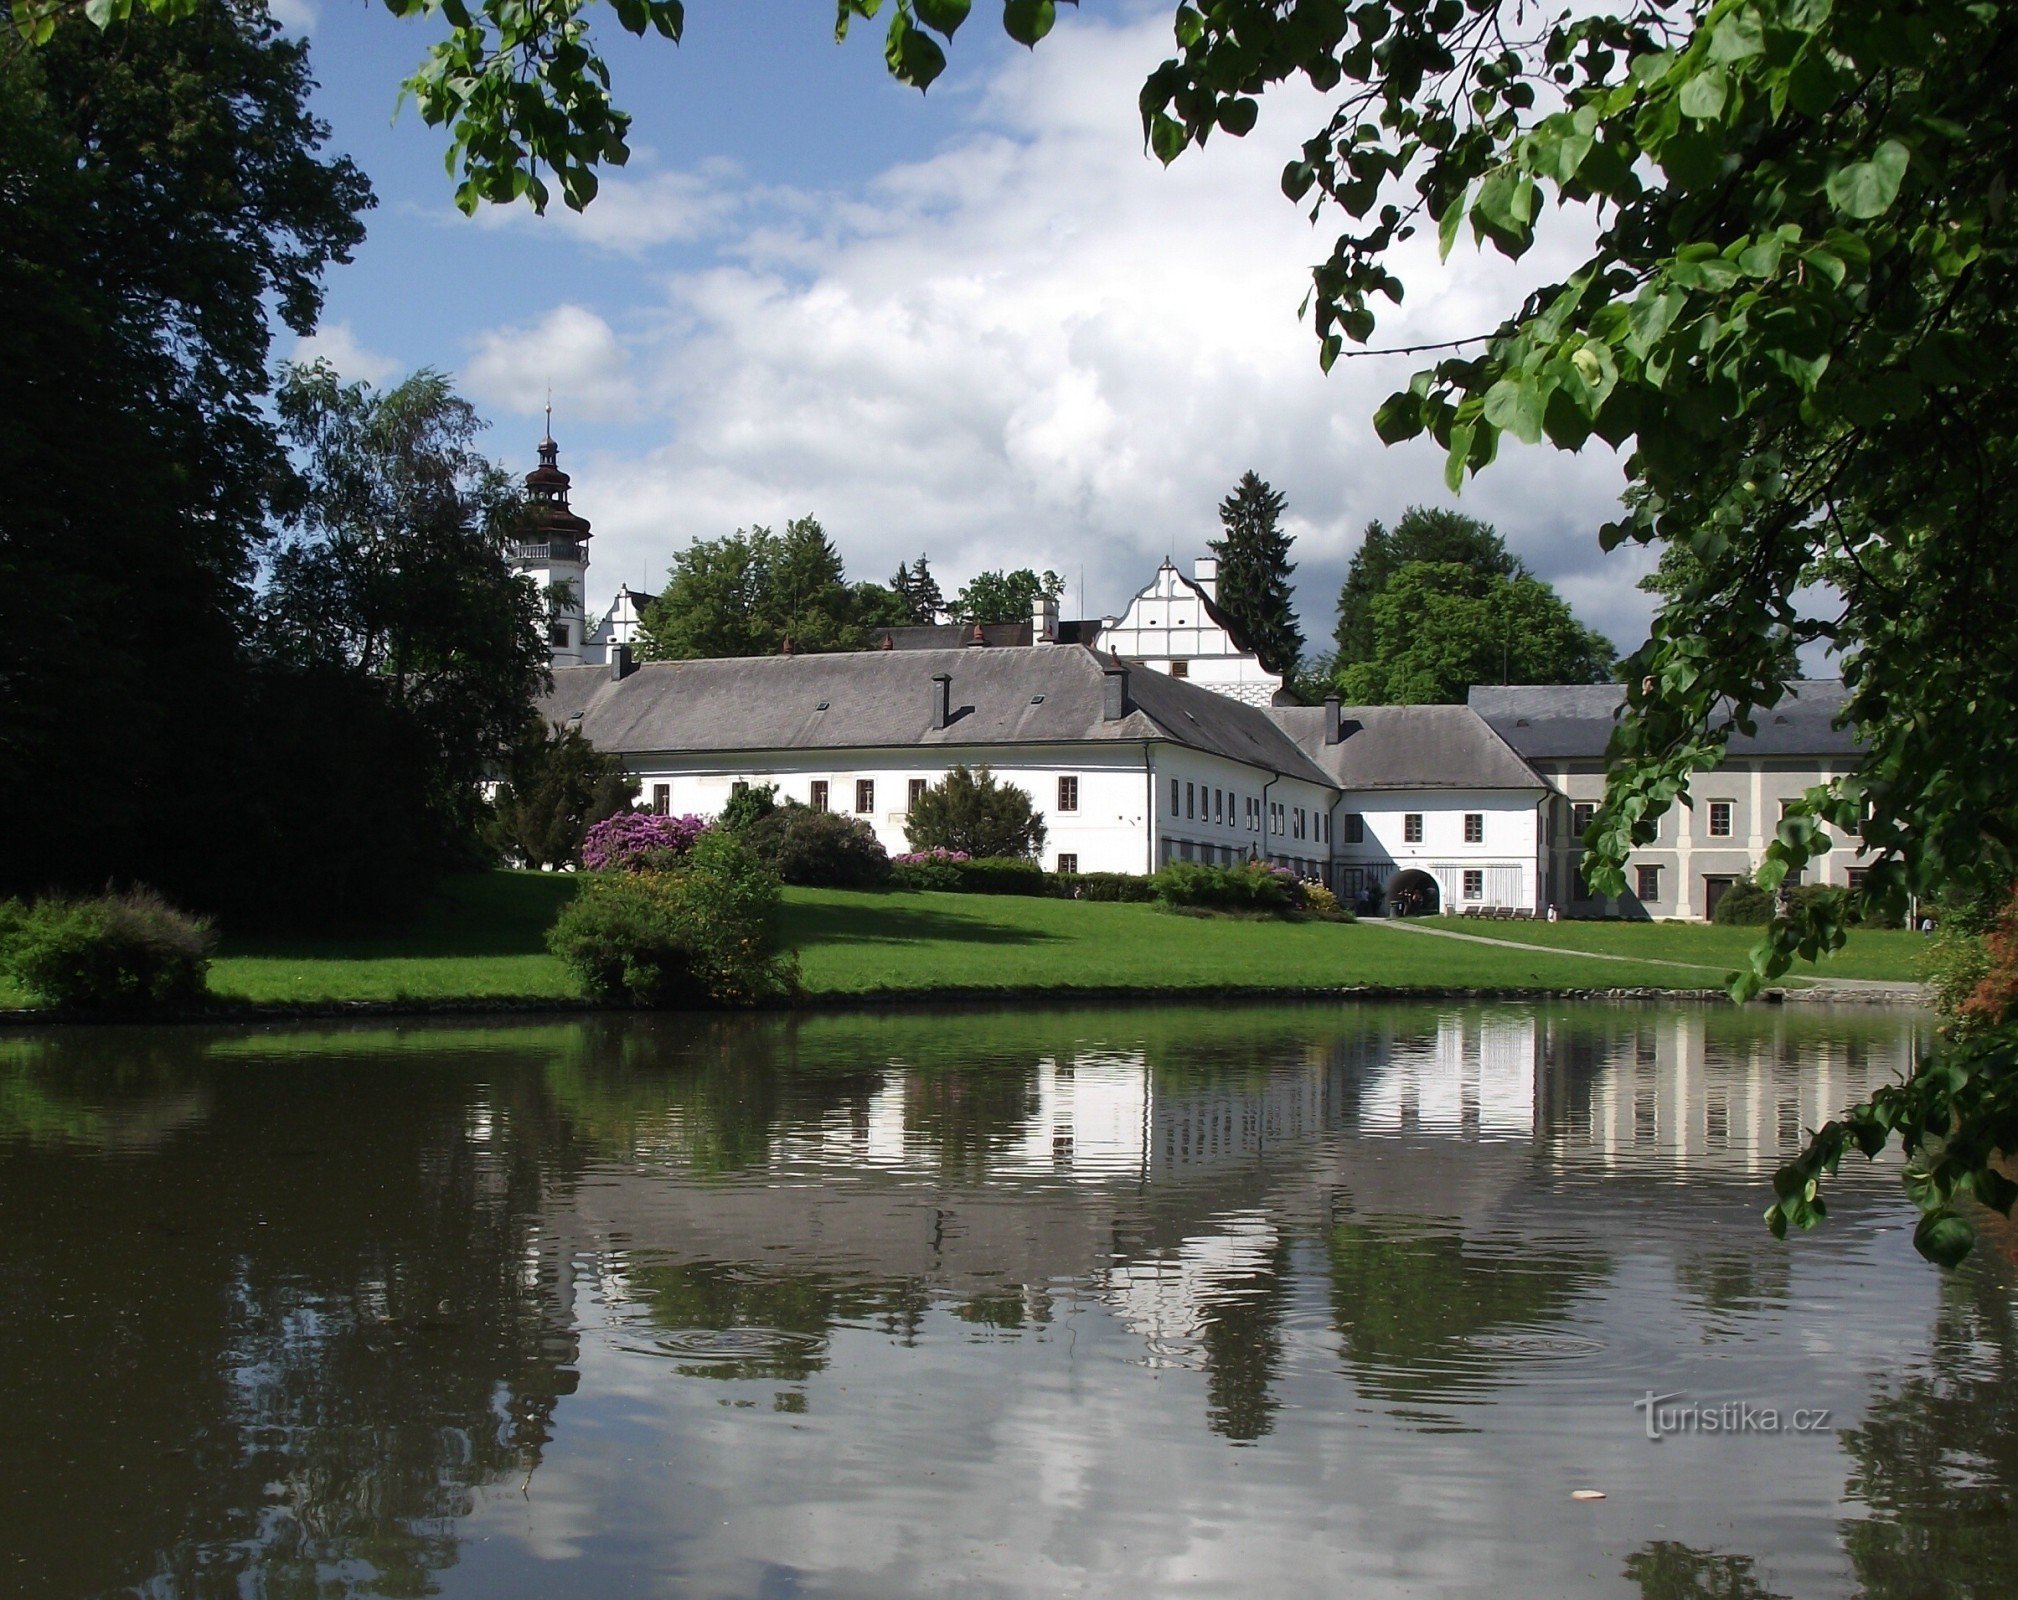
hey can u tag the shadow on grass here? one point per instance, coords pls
(873, 924)
(471, 914)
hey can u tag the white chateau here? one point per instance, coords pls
(1157, 736)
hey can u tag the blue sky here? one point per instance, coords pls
(979, 323)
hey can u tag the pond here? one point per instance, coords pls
(1219, 1301)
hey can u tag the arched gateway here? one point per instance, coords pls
(1413, 893)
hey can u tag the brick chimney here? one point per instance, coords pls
(942, 699)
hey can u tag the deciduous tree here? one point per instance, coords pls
(1423, 533)
(970, 809)
(754, 591)
(1004, 596)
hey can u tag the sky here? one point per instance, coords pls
(980, 324)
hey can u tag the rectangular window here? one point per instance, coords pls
(1218, 805)
(1580, 817)
(1411, 827)
(1474, 883)
(1190, 802)
(1648, 882)
(918, 788)
(1068, 796)
(740, 786)
(1720, 819)
(1857, 876)
(1474, 827)
(865, 796)
(819, 801)
(662, 799)
(1180, 669)
(1067, 862)
(1355, 828)
(1173, 797)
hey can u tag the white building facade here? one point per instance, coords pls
(1175, 626)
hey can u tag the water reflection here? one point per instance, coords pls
(871, 1304)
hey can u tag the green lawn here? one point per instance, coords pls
(484, 939)
(1889, 954)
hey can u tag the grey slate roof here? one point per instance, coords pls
(1052, 694)
(959, 635)
(1408, 747)
(1573, 721)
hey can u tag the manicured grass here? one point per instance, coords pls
(484, 939)
(1887, 954)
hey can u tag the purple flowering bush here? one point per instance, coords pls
(936, 868)
(639, 841)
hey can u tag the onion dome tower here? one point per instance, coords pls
(554, 552)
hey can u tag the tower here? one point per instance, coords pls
(554, 552)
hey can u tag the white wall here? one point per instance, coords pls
(1191, 829)
(1508, 856)
(1167, 623)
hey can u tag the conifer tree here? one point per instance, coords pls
(1254, 569)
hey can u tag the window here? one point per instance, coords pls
(1580, 817)
(1173, 797)
(1067, 861)
(557, 634)
(1857, 876)
(865, 796)
(1068, 800)
(662, 799)
(1190, 801)
(1720, 819)
(1180, 669)
(819, 801)
(918, 788)
(740, 786)
(1474, 883)
(1474, 827)
(1355, 828)
(1648, 883)
(1218, 805)
(1411, 827)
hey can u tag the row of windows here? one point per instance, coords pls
(865, 796)
(1721, 813)
(1203, 802)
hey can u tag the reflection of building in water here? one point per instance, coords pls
(1474, 1075)
(1162, 1297)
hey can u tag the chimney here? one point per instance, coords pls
(621, 664)
(1115, 704)
(942, 699)
(1205, 573)
(1044, 619)
(1331, 729)
(977, 636)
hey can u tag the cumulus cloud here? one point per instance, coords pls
(571, 353)
(336, 343)
(293, 16)
(1035, 346)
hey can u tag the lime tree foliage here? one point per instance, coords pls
(1423, 533)
(1005, 596)
(972, 811)
(167, 208)
(1439, 628)
(758, 593)
(555, 786)
(1254, 569)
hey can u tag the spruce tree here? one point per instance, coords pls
(1254, 569)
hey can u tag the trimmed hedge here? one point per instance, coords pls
(1122, 886)
(130, 952)
(1256, 886)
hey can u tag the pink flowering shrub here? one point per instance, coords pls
(919, 858)
(638, 841)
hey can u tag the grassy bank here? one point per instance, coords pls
(484, 940)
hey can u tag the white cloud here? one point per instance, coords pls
(293, 16)
(1034, 346)
(571, 352)
(335, 343)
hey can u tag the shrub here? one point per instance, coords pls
(820, 849)
(1126, 886)
(1254, 886)
(748, 806)
(116, 952)
(556, 787)
(1744, 905)
(968, 810)
(638, 841)
(927, 869)
(703, 933)
(1320, 901)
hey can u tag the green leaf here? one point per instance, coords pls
(1944, 1238)
(943, 16)
(1237, 116)
(914, 57)
(1738, 35)
(1448, 224)
(1868, 188)
(1166, 137)
(1516, 404)
(1703, 96)
(1027, 21)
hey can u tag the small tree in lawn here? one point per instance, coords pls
(556, 786)
(969, 810)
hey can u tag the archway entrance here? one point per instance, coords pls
(1413, 894)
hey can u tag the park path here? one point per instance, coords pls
(1862, 988)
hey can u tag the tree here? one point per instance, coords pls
(970, 810)
(751, 593)
(166, 202)
(395, 568)
(919, 590)
(1439, 628)
(1254, 569)
(556, 787)
(1005, 596)
(1424, 533)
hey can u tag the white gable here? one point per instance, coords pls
(1170, 626)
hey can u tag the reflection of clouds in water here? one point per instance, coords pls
(1164, 1298)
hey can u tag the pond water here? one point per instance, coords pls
(1254, 1301)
